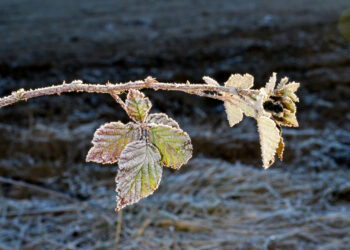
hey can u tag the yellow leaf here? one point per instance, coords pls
(269, 140)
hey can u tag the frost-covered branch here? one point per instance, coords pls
(153, 141)
(115, 89)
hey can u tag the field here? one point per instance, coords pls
(222, 199)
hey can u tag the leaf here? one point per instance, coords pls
(270, 85)
(235, 110)
(238, 81)
(110, 139)
(288, 104)
(289, 90)
(234, 113)
(161, 118)
(140, 172)
(269, 140)
(289, 119)
(173, 144)
(137, 105)
(280, 149)
(282, 82)
(210, 81)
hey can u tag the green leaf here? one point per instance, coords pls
(269, 140)
(110, 139)
(161, 118)
(140, 172)
(173, 144)
(137, 105)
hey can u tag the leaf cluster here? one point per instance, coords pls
(141, 148)
(153, 141)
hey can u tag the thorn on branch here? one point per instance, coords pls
(77, 82)
(150, 79)
(18, 95)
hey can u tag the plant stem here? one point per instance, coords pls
(115, 89)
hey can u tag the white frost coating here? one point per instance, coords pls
(282, 83)
(174, 144)
(259, 104)
(110, 139)
(238, 81)
(140, 172)
(210, 81)
(269, 140)
(161, 118)
(137, 105)
(234, 114)
(270, 85)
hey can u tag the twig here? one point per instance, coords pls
(50, 192)
(37, 188)
(119, 229)
(79, 86)
(64, 209)
(142, 229)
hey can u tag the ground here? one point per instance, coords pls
(222, 199)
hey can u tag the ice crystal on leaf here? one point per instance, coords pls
(237, 107)
(137, 105)
(161, 118)
(140, 172)
(173, 143)
(110, 139)
(271, 106)
(269, 140)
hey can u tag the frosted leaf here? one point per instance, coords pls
(173, 144)
(270, 85)
(140, 172)
(234, 113)
(288, 104)
(289, 91)
(137, 105)
(289, 119)
(282, 82)
(110, 139)
(235, 110)
(161, 118)
(238, 81)
(248, 107)
(269, 140)
(240, 105)
(280, 149)
(210, 81)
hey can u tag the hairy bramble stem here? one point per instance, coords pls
(115, 89)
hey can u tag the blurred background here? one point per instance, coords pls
(222, 199)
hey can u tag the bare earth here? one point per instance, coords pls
(222, 199)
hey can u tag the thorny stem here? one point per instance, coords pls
(116, 89)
